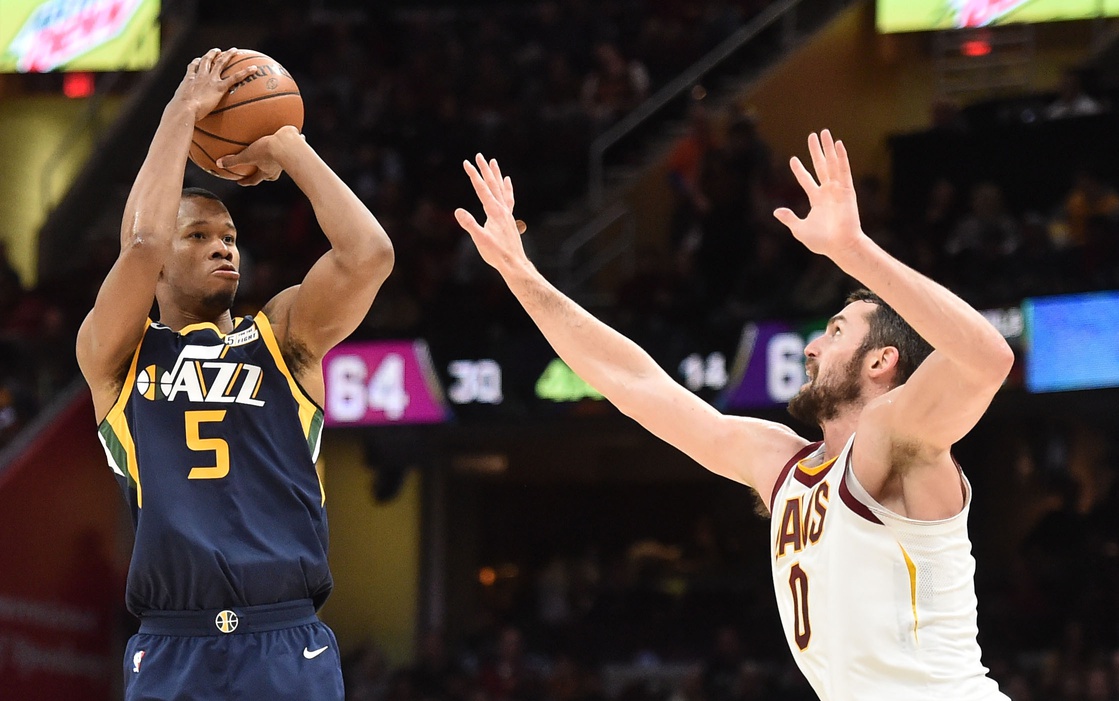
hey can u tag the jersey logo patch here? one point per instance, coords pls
(202, 376)
(242, 337)
(136, 660)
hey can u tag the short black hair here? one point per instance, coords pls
(887, 328)
(199, 192)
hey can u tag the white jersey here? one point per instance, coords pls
(876, 607)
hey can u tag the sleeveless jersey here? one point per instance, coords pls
(214, 445)
(876, 607)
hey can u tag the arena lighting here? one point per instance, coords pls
(77, 85)
(975, 48)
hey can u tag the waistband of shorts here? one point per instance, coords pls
(235, 620)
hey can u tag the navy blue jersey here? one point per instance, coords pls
(214, 444)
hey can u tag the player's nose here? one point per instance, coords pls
(222, 250)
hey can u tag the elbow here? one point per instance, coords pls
(376, 256)
(1000, 360)
(142, 244)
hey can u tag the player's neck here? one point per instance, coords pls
(838, 431)
(178, 319)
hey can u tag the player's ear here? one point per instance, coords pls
(883, 361)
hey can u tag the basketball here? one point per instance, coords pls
(255, 107)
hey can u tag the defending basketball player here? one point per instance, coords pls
(872, 563)
(212, 424)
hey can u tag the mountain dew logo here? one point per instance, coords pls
(60, 30)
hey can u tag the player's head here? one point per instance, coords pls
(866, 350)
(200, 274)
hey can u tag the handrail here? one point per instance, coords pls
(674, 88)
(590, 232)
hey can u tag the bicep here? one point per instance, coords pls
(331, 302)
(113, 328)
(938, 405)
(747, 450)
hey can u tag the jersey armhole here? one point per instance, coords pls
(129, 381)
(784, 474)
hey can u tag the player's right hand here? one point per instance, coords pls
(499, 241)
(203, 87)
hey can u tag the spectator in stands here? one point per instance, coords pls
(615, 86)
(1089, 198)
(986, 234)
(685, 163)
(1072, 100)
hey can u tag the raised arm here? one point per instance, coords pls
(746, 450)
(113, 328)
(949, 392)
(311, 318)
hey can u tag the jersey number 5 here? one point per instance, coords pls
(798, 583)
(194, 441)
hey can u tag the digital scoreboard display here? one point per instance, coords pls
(1060, 343)
(37, 36)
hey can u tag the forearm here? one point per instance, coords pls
(604, 358)
(153, 202)
(354, 233)
(948, 323)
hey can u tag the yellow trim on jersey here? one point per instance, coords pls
(119, 422)
(812, 471)
(912, 586)
(209, 325)
(307, 408)
(199, 326)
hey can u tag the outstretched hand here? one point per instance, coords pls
(499, 241)
(832, 225)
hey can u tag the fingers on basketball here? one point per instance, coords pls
(257, 105)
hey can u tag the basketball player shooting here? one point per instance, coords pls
(212, 424)
(872, 564)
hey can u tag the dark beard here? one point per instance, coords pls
(818, 403)
(218, 303)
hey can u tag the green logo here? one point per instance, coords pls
(559, 383)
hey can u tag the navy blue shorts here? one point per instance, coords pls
(275, 652)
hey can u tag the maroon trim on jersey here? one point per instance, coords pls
(849, 499)
(811, 480)
(801, 455)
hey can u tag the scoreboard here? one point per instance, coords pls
(370, 383)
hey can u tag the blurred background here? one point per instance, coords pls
(498, 531)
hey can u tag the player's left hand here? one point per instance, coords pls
(264, 153)
(832, 225)
(499, 241)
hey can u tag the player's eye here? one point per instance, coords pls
(229, 239)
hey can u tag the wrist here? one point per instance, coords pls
(182, 111)
(285, 144)
(853, 251)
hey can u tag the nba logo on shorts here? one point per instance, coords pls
(136, 660)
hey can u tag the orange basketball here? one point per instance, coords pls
(257, 106)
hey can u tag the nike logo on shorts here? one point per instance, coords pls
(312, 654)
